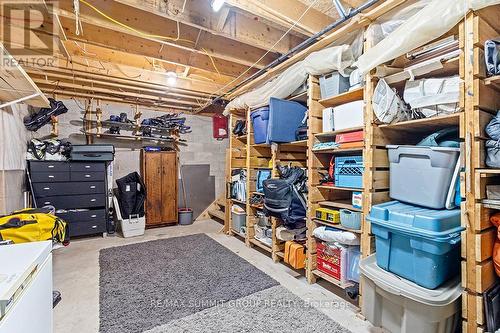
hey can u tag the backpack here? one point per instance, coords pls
(33, 122)
(32, 225)
(283, 200)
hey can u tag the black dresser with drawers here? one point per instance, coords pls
(78, 191)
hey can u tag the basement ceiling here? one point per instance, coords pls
(121, 50)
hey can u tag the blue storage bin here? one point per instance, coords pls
(419, 244)
(284, 119)
(349, 171)
(260, 122)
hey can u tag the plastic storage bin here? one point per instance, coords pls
(348, 115)
(131, 226)
(419, 244)
(238, 218)
(353, 257)
(349, 171)
(350, 219)
(400, 306)
(260, 122)
(333, 84)
(421, 175)
(284, 119)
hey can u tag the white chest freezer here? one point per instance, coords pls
(26, 288)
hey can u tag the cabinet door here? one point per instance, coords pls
(152, 175)
(169, 188)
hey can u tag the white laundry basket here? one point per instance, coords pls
(132, 226)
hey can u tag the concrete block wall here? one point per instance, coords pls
(13, 140)
(200, 147)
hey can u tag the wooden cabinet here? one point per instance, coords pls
(159, 170)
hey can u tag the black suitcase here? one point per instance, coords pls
(104, 153)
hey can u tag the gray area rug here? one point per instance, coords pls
(149, 284)
(194, 284)
(271, 310)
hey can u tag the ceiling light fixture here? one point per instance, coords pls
(217, 5)
(171, 78)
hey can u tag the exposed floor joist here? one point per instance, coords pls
(238, 27)
(286, 13)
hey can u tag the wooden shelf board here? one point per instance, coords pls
(336, 225)
(261, 145)
(257, 207)
(261, 245)
(332, 280)
(340, 204)
(340, 188)
(334, 133)
(337, 151)
(426, 124)
(492, 80)
(280, 254)
(239, 201)
(489, 171)
(301, 143)
(349, 96)
(240, 137)
(237, 233)
(258, 193)
(130, 137)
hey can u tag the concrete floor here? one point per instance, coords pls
(76, 275)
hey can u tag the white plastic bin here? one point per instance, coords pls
(238, 218)
(348, 115)
(132, 226)
(401, 306)
(421, 175)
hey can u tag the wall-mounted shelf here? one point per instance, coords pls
(16, 86)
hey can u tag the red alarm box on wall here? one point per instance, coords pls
(219, 125)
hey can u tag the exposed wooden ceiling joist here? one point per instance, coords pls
(189, 37)
(101, 54)
(199, 14)
(286, 13)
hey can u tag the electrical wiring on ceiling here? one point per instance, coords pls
(154, 37)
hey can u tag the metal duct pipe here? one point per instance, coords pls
(294, 50)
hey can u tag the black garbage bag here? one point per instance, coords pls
(131, 195)
(33, 122)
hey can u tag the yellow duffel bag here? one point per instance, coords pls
(32, 225)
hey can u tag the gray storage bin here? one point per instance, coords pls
(421, 175)
(333, 84)
(238, 219)
(399, 305)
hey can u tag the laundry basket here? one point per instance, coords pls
(131, 226)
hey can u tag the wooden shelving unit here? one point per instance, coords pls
(236, 158)
(478, 104)
(318, 160)
(481, 100)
